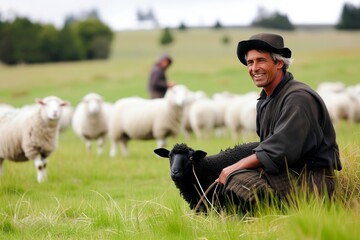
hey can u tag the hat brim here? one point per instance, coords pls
(245, 46)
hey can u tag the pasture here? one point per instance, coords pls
(96, 197)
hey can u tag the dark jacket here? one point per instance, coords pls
(157, 82)
(295, 129)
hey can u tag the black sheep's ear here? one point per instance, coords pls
(197, 155)
(162, 152)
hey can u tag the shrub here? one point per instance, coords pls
(166, 37)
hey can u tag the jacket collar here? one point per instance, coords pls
(287, 77)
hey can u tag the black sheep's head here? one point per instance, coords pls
(181, 159)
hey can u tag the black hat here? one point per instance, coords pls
(264, 41)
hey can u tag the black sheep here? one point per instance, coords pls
(185, 160)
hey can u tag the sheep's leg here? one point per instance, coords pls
(219, 132)
(197, 132)
(40, 164)
(124, 148)
(113, 149)
(100, 144)
(88, 144)
(1, 163)
(186, 134)
(161, 143)
(235, 133)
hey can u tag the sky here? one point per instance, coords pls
(121, 14)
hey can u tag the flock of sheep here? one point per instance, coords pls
(341, 101)
(31, 132)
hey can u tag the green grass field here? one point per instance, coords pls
(92, 197)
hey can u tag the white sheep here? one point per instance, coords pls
(90, 120)
(66, 118)
(248, 116)
(331, 87)
(340, 105)
(232, 113)
(202, 117)
(343, 103)
(138, 118)
(354, 92)
(31, 134)
(5, 108)
(221, 101)
(192, 98)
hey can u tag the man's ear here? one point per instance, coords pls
(162, 152)
(280, 64)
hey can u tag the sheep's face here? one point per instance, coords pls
(180, 166)
(51, 108)
(93, 103)
(93, 106)
(181, 160)
(178, 95)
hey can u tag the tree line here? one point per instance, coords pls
(22, 41)
(87, 37)
(350, 18)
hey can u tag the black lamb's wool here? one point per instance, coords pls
(181, 148)
(208, 170)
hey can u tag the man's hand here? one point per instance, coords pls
(170, 84)
(249, 162)
(226, 172)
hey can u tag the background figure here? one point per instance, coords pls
(158, 83)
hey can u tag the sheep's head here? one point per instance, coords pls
(93, 102)
(178, 95)
(181, 159)
(51, 108)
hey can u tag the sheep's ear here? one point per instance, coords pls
(64, 103)
(162, 152)
(198, 154)
(39, 101)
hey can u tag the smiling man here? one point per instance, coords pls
(297, 138)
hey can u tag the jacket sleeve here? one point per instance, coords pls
(293, 136)
(158, 80)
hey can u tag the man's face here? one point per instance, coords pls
(164, 64)
(262, 68)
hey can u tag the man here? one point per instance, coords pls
(158, 82)
(297, 138)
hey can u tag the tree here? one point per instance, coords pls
(70, 19)
(149, 16)
(7, 48)
(225, 39)
(350, 17)
(182, 26)
(218, 25)
(274, 20)
(96, 37)
(166, 37)
(19, 42)
(24, 41)
(49, 43)
(100, 47)
(70, 45)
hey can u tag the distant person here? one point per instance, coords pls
(158, 83)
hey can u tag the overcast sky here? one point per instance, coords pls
(121, 14)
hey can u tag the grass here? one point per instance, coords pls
(95, 197)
